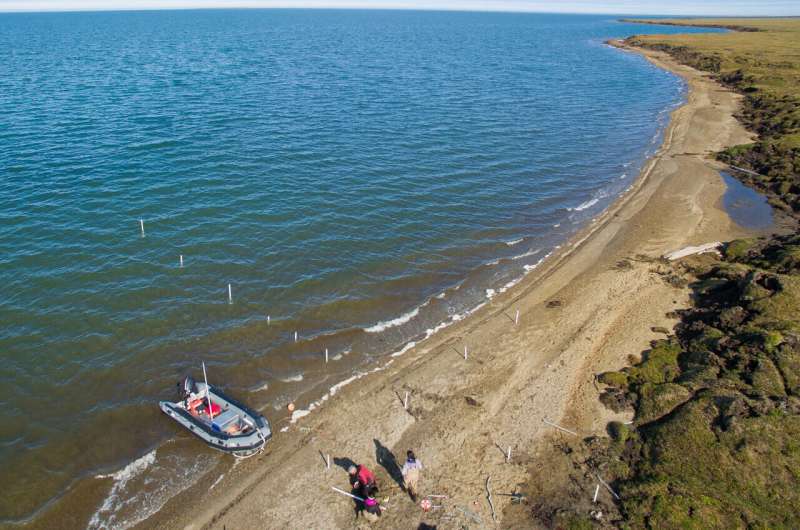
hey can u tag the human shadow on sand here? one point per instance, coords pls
(343, 462)
(386, 459)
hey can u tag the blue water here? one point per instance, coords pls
(358, 177)
(745, 206)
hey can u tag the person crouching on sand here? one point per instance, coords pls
(411, 470)
(372, 510)
(362, 479)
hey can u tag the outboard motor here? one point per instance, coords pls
(189, 386)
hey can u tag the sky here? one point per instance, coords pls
(640, 7)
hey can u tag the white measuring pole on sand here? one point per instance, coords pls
(356, 497)
(208, 392)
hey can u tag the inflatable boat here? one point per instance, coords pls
(220, 421)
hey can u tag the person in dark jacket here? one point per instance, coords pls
(372, 509)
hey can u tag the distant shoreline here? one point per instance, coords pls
(670, 22)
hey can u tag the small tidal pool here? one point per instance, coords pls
(748, 208)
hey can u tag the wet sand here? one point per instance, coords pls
(581, 312)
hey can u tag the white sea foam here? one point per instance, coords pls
(509, 285)
(531, 252)
(340, 385)
(300, 413)
(441, 295)
(339, 356)
(515, 242)
(529, 268)
(292, 378)
(432, 331)
(490, 293)
(404, 349)
(141, 488)
(582, 206)
(134, 468)
(402, 319)
(556, 225)
(261, 388)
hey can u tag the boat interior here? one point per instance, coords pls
(223, 416)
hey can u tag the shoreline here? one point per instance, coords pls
(498, 367)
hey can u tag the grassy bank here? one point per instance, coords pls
(715, 441)
(761, 59)
(716, 436)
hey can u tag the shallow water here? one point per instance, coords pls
(359, 178)
(747, 207)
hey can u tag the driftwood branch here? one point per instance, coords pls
(551, 424)
(489, 497)
(604, 483)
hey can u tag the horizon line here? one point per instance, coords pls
(443, 9)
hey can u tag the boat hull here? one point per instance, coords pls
(240, 445)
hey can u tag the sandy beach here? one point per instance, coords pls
(581, 312)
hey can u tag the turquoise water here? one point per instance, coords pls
(357, 177)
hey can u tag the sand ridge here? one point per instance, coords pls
(608, 294)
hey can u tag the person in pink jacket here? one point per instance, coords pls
(362, 479)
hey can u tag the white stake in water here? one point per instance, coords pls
(326, 355)
(268, 320)
(141, 225)
(230, 294)
(405, 402)
(295, 336)
(516, 319)
(181, 260)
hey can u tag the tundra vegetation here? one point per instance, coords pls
(715, 441)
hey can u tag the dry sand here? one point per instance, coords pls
(516, 375)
